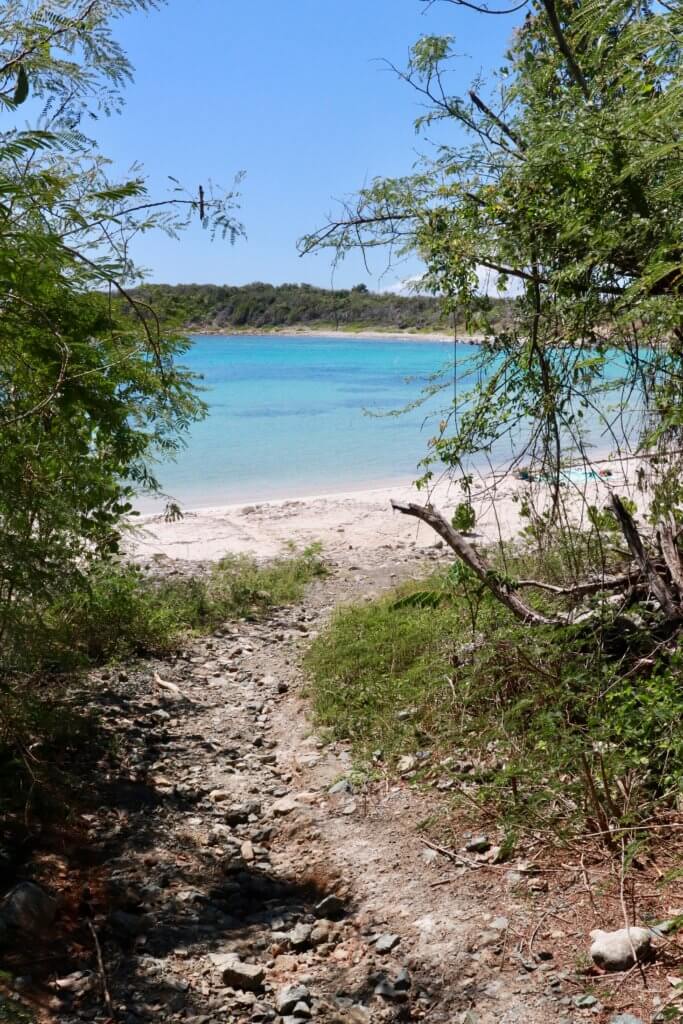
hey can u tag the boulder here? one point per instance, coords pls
(27, 910)
(613, 951)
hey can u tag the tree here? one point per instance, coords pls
(569, 185)
(88, 396)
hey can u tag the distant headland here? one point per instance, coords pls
(306, 309)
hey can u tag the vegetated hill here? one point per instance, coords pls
(261, 306)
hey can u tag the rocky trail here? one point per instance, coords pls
(236, 873)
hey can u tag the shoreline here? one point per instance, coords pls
(337, 335)
(346, 523)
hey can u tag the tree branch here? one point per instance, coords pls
(505, 129)
(467, 554)
(565, 49)
(658, 586)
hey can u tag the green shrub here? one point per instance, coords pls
(558, 724)
(116, 611)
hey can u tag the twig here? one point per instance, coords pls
(622, 900)
(103, 976)
(587, 884)
(542, 918)
(451, 854)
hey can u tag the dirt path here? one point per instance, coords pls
(229, 871)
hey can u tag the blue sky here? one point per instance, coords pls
(294, 93)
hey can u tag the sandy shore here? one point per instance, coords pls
(305, 332)
(342, 523)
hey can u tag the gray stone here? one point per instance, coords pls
(239, 813)
(285, 805)
(385, 943)
(322, 932)
(625, 1018)
(343, 786)
(584, 1002)
(613, 951)
(300, 936)
(387, 990)
(238, 974)
(290, 996)
(332, 907)
(27, 909)
(402, 981)
(480, 844)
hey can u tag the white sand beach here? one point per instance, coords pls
(344, 522)
(363, 335)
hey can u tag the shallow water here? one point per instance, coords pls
(293, 416)
(289, 416)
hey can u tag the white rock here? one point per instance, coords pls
(614, 950)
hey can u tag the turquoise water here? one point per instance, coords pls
(291, 416)
(288, 416)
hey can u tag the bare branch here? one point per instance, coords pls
(564, 47)
(483, 9)
(659, 587)
(485, 109)
(585, 588)
(473, 560)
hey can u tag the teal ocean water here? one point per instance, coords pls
(288, 416)
(294, 416)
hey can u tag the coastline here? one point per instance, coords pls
(344, 523)
(314, 332)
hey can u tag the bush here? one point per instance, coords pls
(116, 612)
(558, 724)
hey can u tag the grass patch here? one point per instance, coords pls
(559, 726)
(118, 612)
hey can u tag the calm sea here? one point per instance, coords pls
(292, 416)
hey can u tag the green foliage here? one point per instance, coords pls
(117, 611)
(261, 306)
(539, 712)
(464, 517)
(568, 185)
(89, 398)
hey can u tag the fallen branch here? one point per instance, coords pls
(628, 579)
(451, 854)
(656, 582)
(103, 976)
(667, 535)
(501, 589)
(473, 560)
(164, 684)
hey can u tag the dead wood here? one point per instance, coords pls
(662, 579)
(658, 585)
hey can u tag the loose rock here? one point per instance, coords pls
(27, 909)
(614, 950)
(238, 974)
(290, 996)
